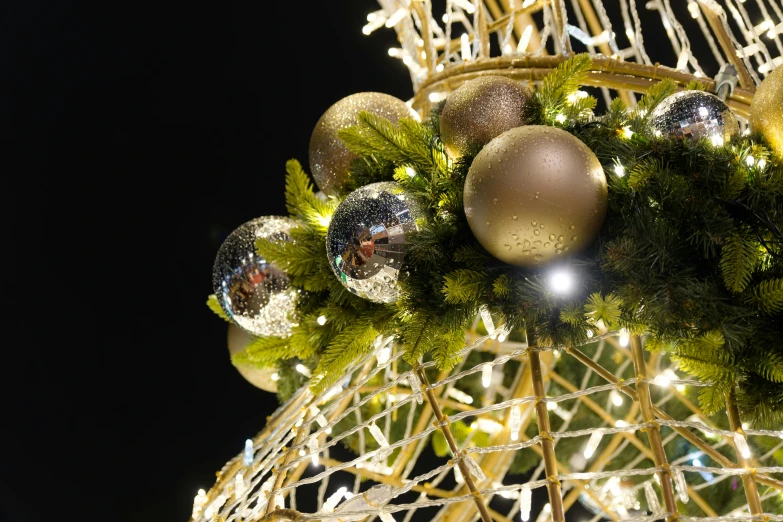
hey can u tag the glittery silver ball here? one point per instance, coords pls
(694, 115)
(366, 241)
(256, 295)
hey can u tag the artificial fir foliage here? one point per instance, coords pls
(689, 255)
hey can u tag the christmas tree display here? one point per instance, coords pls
(499, 301)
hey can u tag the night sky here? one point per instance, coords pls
(145, 133)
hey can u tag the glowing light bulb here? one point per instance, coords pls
(460, 395)
(551, 406)
(590, 334)
(514, 422)
(681, 485)
(621, 424)
(619, 170)
(762, 163)
(486, 375)
(466, 5)
(627, 132)
(525, 503)
(312, 445)
(750, 160)
(465, 47)
(524, 40)
(617, 399)
(742, 445)
(624, 337)
(561, 281)
(652, 498)
(560, 118)
(397, 17)
(592, 444)
(247, 455)
(275, 377)
(321, 320)
(304, 370)
(717, 140)
(693, 7)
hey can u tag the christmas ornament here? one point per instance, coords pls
(694, 115)
(366, 241)
(238, 339)
(252, 292)
(329, 157)
(766, 110)
(535, 193)
(480, 110)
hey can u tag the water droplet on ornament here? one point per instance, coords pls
(538, 257)
(558, 245)
(526, 252)
(546, 244)
(572, 227)
(574, 238)
(536, 232)
(537, 194)
(552, 237)
(542, 225)
(515, 217)
(527, 243)
(534, 223)
(534, 250)
(495, 201)
(558, 251)
(560, 238)
(565, 249)
(537, 242)
(508, 247)
(514, 236)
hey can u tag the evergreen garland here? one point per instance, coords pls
(689, 255)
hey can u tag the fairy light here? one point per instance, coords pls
(681, 485)
(524, 40)
(321, 320)
(592, 444)
(275, 377)
(312, 445)
(379, 436)
(198, 503)
(247, 455)
(627, 132)
(486, 375)
(551, 406)
(302, 452)
(682, 60)
(617, 399)
(440, 67)
(515, 422)
(395, 52)
(377, 21)
(436, 97)
(324, 220)
(464, 4)
(465, 43)
(619, 170)
(693, 8)
(334, 499)
(486, 318)
(750, 160)
(621, 424)
(561, 282)
(460, 395)
(415, 385)
(742, 445)
(761, 163)
(304, 370)
(474, 469)
(546, 513)
(590, 334)
(717, 140)
(624, 338)
(525, 503)
(489, 426)
(396, 17)
(383, 355)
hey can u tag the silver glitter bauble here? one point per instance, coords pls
(366, 241)
(253, 293)
(694, 115)
(263, 378)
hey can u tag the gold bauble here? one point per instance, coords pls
(329, 157)
(480, 110)
(766, 110)
(238, 339)
(534, 194)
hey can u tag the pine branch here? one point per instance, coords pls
(738, 259)
(651, 99)
(606, 309)
(563, 81)
(214, 305)
(353, 342)
(263, 352)
(712, 399)
(463, 286)
(767, 296)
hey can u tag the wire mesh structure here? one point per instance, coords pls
(389, 417)
(606, 426)
(446, 45)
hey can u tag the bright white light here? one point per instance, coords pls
(762, 163)
(682, 60)
(693, 7)
(489, 426)
(275, 376)
(466, 5)
(460, 395)
(561, 282)
(617, 399)
(624, 337)
(697, 463)
(560, 118)
(304, 370)
(383, 355)
(621, 424)
(302, 453)
(627, 132)
(435, 97)
(486, 375)
(524, 40)
(619, 170)
(321, 320)
(515, 422)
(439, 67)
(592, 444)
(525, 502)
(465, 44)
(717, 140)
(528, 3)
(397, 17)
(590, 334)
(661, 380)
(395, 52)
(703, 112)
(750, 160)
(551, 406)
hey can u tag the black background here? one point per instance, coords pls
(144, 134)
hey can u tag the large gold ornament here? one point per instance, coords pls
(766, 110)
(535, 193)
(238, 339)
(329, 157)
(480, 110)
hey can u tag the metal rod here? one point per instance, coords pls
(547, 443)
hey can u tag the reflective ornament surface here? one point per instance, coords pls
(261, 378)
(366, 241)
(535, 193)
(330, 159)
(766, 110)
(256, 295)
(694, 115)
(480, 110)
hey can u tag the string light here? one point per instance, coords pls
(617, 399)
(247, 455)
(561, 281)
(592, 444)
(334, 499)
(397, 17)
(680, 484)
(304, 370)
(515, 422)
(742, 445)
(321, 320)
(312, 445)
(460, 395)
(465, 44)
(624, 338)
(551, 406)
(627, 132)
(560, 118)
(275, 377)
(652, 498)
(486, 375)
(524, 40)
(525, 503)
(619, 170)
(466, 5)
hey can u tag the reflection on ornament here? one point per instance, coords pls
(694, 115)
(480, 110)
(330, 159)
(535, 193)
(766, 110)
(253, 293)
(262, 378)
(366, 241)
